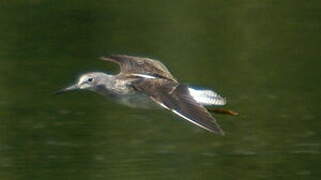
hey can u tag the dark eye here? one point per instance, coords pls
(90, 79)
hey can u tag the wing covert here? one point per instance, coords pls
(140, 65)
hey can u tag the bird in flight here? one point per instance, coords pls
(146, 83)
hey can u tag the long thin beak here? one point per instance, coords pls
(70, 88)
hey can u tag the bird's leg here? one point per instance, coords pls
(223, 111)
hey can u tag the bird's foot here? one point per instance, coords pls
(223, 111)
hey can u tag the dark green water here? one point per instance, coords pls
(264, 56)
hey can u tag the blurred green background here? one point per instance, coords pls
(264, 56)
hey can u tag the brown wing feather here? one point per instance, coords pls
(139, 65)
(176, 97)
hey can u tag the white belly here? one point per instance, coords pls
(137, 101)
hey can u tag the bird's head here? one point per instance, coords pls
(86, 81)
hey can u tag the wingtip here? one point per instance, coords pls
(219, 132)
(104, 58)
(112, 57)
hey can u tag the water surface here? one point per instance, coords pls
(264, 56)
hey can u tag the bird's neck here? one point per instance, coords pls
(104, 85)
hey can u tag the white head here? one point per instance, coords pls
(86, 81)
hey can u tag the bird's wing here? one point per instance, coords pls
(176, 98)
(139, 65)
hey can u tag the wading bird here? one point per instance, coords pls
(144, 83)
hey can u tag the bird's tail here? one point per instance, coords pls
(206, 97)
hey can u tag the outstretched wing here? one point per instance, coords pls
(176, 98)
(139, 65)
